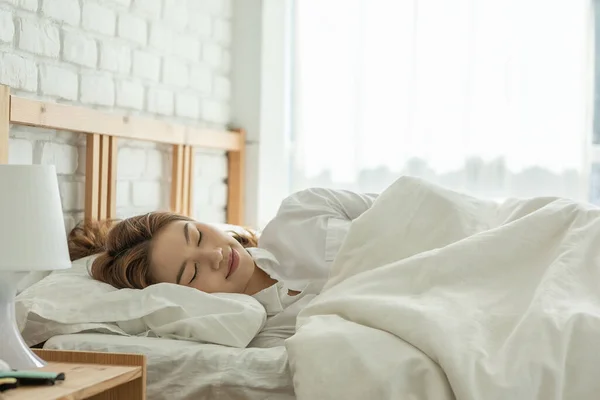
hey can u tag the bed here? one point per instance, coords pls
(433, 294)
(176, 368)
(179, 369)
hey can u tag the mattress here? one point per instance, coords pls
(183, 370)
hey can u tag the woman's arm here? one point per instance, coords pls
(342, 204)
(309, 229)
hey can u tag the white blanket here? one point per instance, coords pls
(436, 295)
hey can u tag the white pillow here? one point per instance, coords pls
(30, 279)
(70, 301)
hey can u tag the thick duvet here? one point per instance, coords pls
(437, 295)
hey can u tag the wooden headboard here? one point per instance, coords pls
(102, 132)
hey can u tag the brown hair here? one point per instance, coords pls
(123, 247)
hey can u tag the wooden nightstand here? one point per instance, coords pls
(88, 375)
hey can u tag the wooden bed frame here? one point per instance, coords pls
(102, 132)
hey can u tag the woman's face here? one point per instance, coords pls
(201, 256)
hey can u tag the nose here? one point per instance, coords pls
(212, 257)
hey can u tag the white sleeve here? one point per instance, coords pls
(308, 231)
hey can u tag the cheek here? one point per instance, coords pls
(245, 257)
(210, 284)
(248, 263)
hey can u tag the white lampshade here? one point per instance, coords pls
(32, 230)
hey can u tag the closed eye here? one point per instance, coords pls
(195, 264)
(195, 273)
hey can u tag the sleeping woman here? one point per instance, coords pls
(283, 269)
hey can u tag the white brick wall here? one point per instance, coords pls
(79, 49)
(39, 37)
(7, 27)
(29, 5)
(62, 11)
(21, 151)
(146, 65)
(222, 32)
(222, 88)
(133, 28)
(187, 47)
(115, 57)
(135, 159)
(130, 94)
(154, 164)
(160, 101)
(72, 194)
(214, 111)
(98, 18)
(161, 38)
(145, 193)
(148, 8)
(63, 156)
(187, 105)
(59, 81)
(200, 24)
(176, 14)
(158, 58)
(18, 72)
(97, 89)
(124, 3)
(175, 72)
(201, 79)
(212, 54)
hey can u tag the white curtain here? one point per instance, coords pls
(491, 97)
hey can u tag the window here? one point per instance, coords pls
(482, 96)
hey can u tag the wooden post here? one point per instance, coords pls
(100, 177)
(111, 208)
(177, 179)
(190, 185)
(103, 184)
(4, 122)
(188, 172)
(182, 179)
(236, 166)
(92, 177)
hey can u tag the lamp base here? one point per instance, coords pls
(13, 349)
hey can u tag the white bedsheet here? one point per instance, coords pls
(435, 295)
(182, 370)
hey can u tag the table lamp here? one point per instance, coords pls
(32, 238)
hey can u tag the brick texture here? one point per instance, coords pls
(67, 11)
(7, 27)
(97, 89)
(167, 59)
(133, 28)
(59, 81)
(79, 49)
(18, 72)
(39, 37)
(160, 101)
(146, 65)
(115, 57)
(98, 18)
(187, 105)
(130, 95)
(175, 72)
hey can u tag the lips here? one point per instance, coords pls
(234, 260)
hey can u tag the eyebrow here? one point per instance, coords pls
(186, 233)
